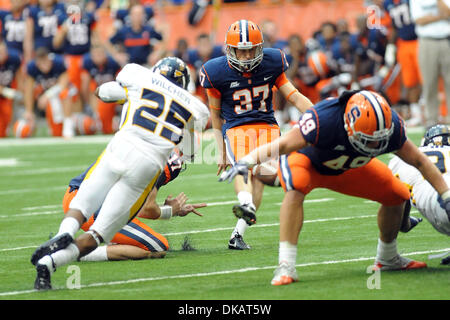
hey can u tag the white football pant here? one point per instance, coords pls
(119, 182)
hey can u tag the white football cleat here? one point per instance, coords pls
(398, 263)
(284, 274)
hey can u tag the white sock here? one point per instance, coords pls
(68, 127)
(386, 251)
(287, 253)
(98, 254)
(61, 257)
(416, 112)
(47, 260)
(240, 228)
(69, 225)
(245, 197)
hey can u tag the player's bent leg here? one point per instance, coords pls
(117, 252)
(139, 235)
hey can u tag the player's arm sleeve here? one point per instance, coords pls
(204, 78)
(309, 126)
(111, 92)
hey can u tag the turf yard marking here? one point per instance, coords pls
(44, 170)
(51, 141)
(50, 206)
(209, 274)
(223, 228)
(268, 225)
(8, 162)
(31, 190)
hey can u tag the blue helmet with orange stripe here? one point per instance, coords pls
(173, 69)
(244, 35)
(438, 135)
(368, 121)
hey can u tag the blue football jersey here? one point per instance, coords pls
(13, 28)
(137, 43)
(9, 68)
(401, 18)
(101, 74)
(245, 99)
(46, 24)
(330, 151)
(46, 80)
(78, 38)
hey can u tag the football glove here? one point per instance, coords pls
(241, 167)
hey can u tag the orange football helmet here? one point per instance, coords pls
(368, 121)
(318, 62)
(244, 35)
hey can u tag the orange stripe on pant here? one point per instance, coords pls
(243, 139)
(118, 238)
(373, 181)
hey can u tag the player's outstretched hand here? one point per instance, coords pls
(240, 167)
(188, 208)
(176, 203)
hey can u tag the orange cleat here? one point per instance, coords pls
(399, 263)
(284, 274)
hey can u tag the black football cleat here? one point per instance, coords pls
(413, 221)
(238, 243)
(446, 261)
(57, 243)
(246, 212)
(42, 281)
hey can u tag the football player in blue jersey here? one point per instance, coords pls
(47, 85)
(403, 48)
(10, 75)
(12, 24)
(138, 39)
(41, 26)
(74, 38)
(240, 88)
(99, 68)
(334, 146)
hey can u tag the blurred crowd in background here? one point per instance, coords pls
(53, 55)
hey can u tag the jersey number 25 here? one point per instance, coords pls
(157, 111)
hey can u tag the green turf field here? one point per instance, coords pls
(336, 246)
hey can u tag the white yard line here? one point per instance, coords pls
(226, 228)
(50, 141)
(234, 271)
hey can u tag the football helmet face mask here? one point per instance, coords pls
(368, 121)
(438, 135)
(244, 35)
(173, 69)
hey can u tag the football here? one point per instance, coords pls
(267, 173)
(85, 125)
(22, 129)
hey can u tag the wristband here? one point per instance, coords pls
(446, 195)
(166, 212)
(53, 91)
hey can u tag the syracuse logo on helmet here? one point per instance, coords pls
(244, 35)
(368, 121)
